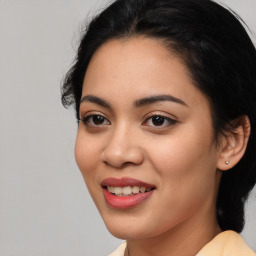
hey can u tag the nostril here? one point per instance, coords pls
(119, 155)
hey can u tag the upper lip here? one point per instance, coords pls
(125, 181)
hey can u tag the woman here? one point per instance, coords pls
(164, 93)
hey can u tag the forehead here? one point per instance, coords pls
(139, 67)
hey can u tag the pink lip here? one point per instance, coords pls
(125, 181)
(125, 202)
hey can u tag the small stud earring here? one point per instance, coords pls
(226, 162)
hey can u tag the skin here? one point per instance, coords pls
(179, 157)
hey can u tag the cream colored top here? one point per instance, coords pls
(228, 243)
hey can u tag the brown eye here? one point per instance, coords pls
(95, 120)
(98, 120)
(159, 121)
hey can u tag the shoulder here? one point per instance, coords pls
(228, 243)
(119, 251)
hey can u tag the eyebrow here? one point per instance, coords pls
(157, 98)
(96, 100)
(138, 103)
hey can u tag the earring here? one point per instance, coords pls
(227, 162)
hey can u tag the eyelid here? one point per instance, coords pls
(160, 113)
(170, 118)
(85, 117)
(91, 113)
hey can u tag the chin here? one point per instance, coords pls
(133, 227)
(125, 228)
(127, 233)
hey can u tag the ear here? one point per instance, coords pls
(234, 143)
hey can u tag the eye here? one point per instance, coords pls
(159, 121)
(95, 120)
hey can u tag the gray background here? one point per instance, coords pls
(45, 209)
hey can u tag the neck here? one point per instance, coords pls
(184, 240)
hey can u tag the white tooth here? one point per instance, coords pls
(118, 190)
(127, 190)
(135, 190)
(112, 189)
(109, 188)
(142, 189)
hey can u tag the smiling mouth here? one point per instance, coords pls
(127, 190)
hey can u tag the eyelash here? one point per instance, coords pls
(168, 121)
(86, 120)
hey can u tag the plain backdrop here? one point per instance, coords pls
(45, 209)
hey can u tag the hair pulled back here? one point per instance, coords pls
(221, 59)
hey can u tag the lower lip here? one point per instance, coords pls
(125, 202)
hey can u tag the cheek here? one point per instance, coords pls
(87, 154)
(187, 176)
(87, 157)
(186, 164)
(178, 155)
(189, 147)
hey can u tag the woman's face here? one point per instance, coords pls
(145, 145)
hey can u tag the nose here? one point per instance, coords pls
(122, 148)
